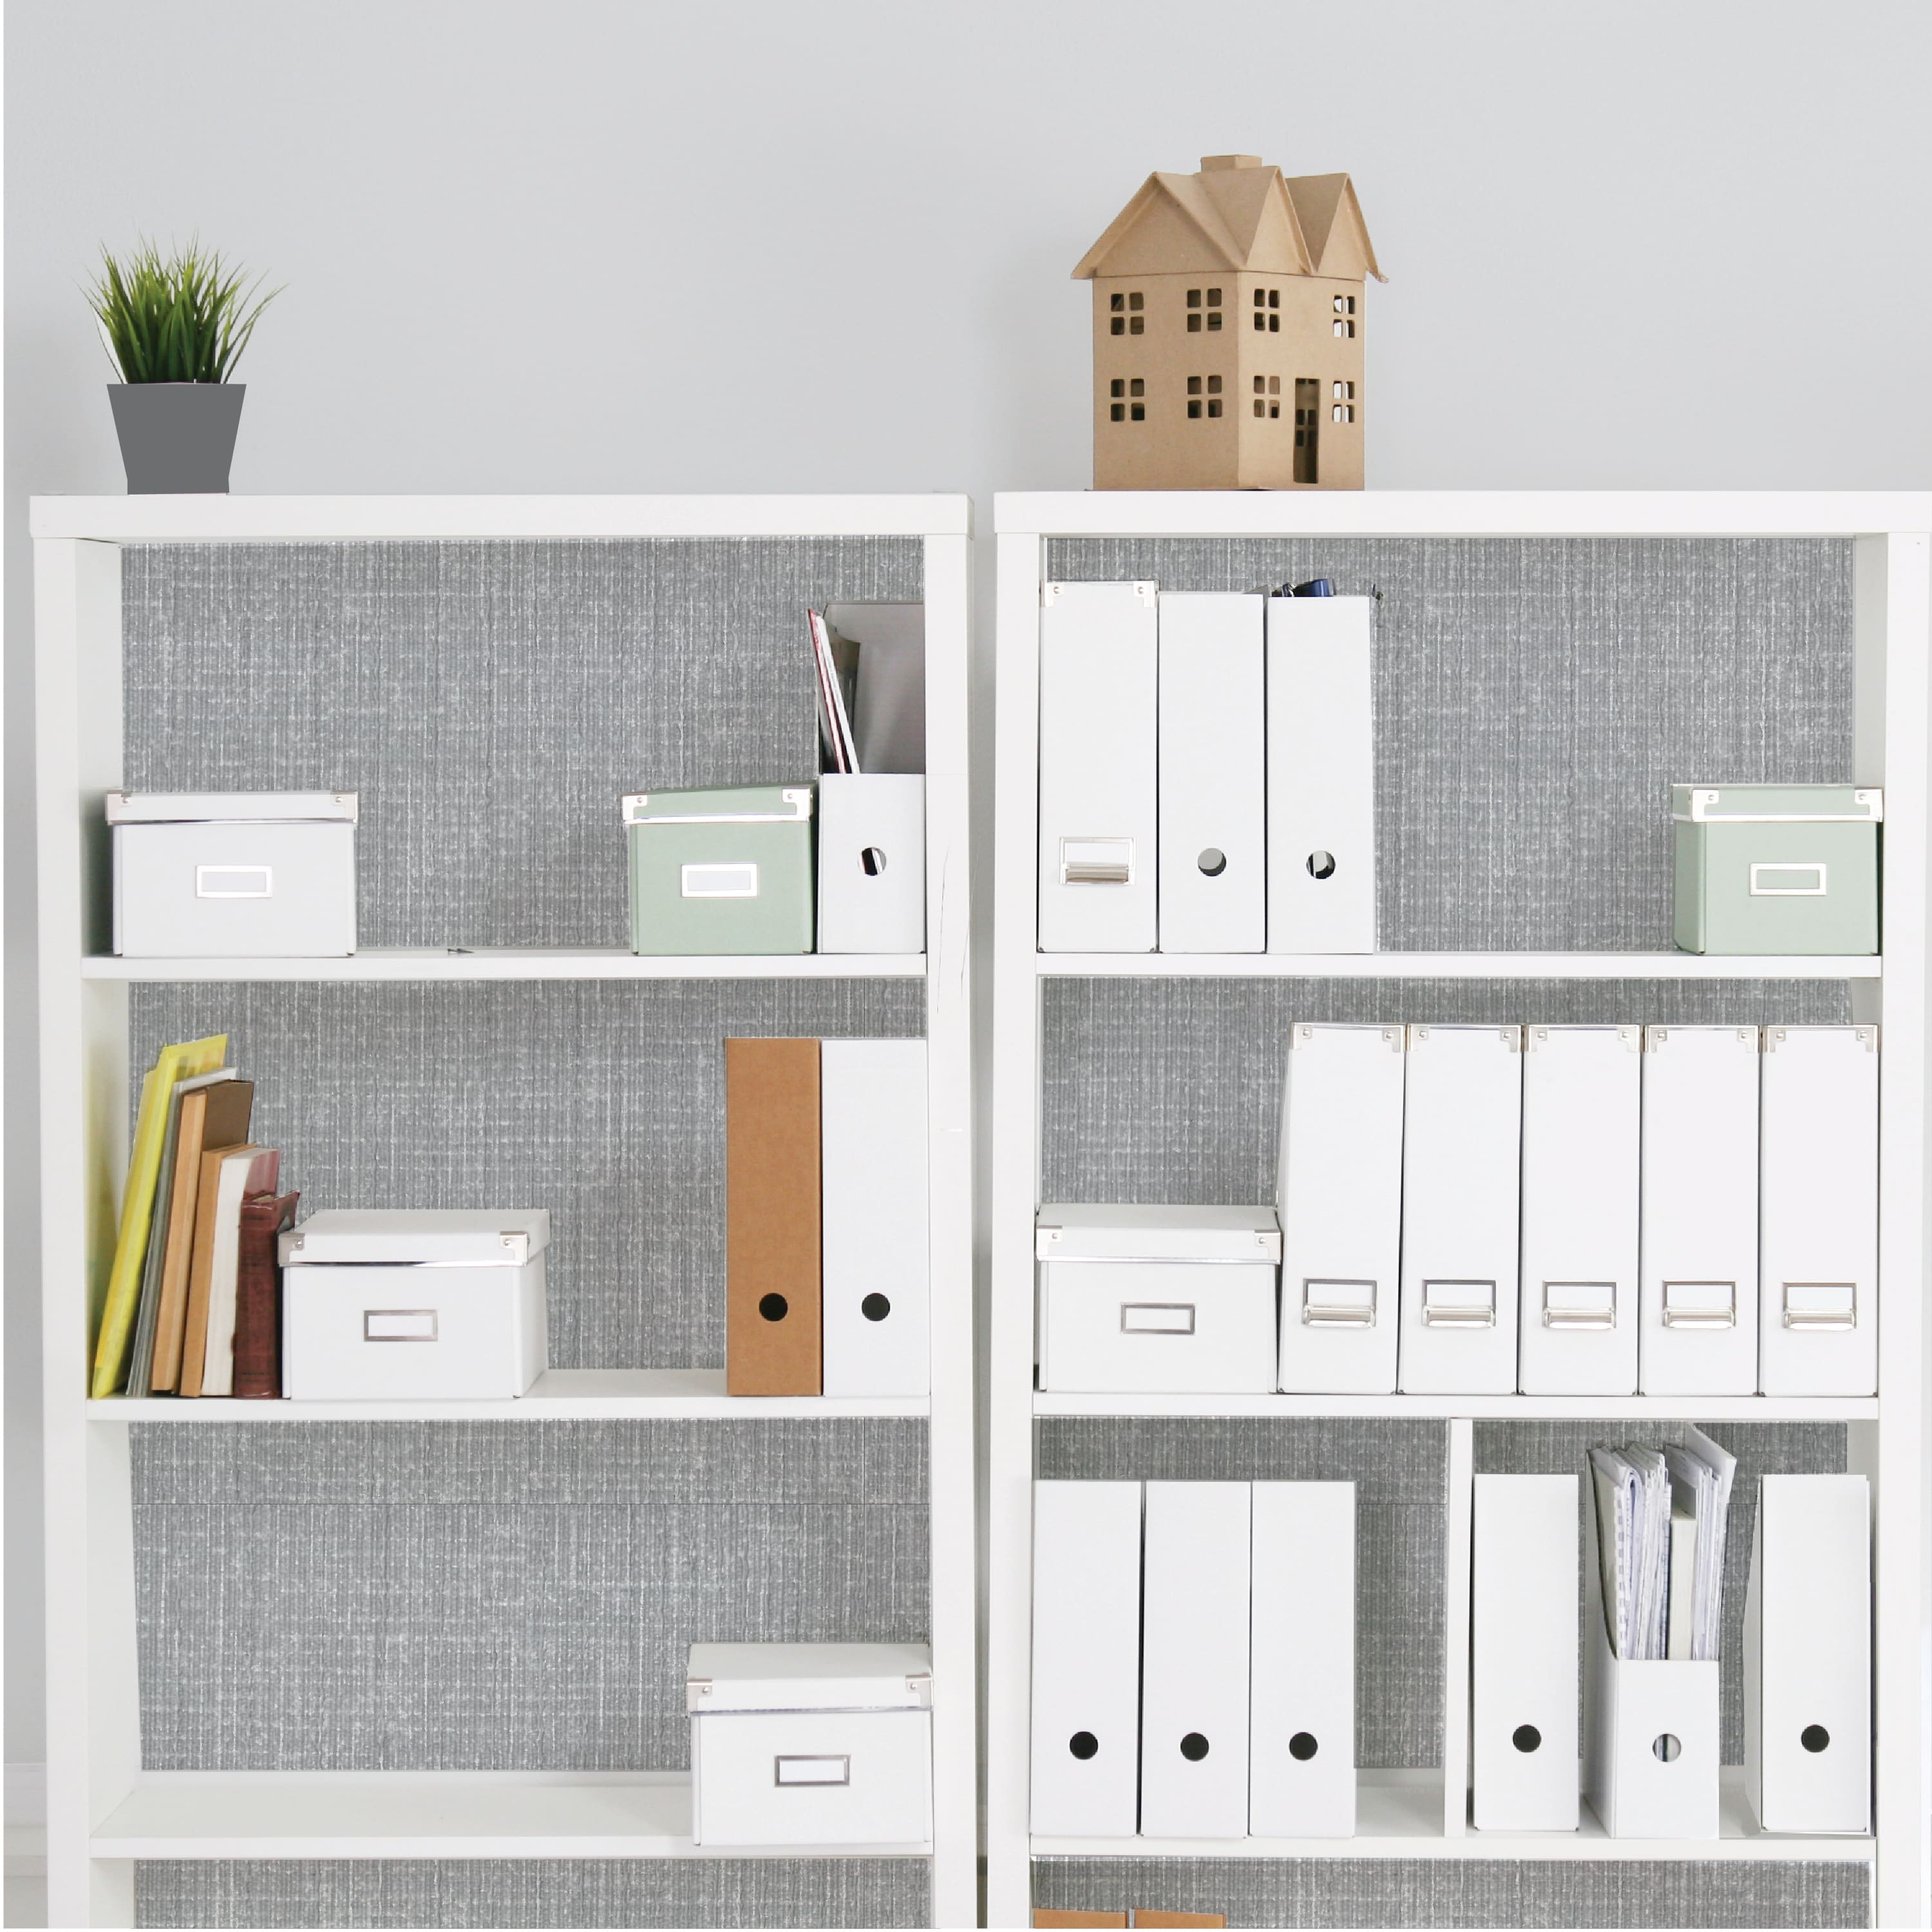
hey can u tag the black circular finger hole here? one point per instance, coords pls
(774, 1307)
(1083, 1745)
(1214, 862)
(875, 1308)
(873, 861)
(1525, 1737)
(1303, 1746)
(1194, 1747)
(1666, 1748)
(1814, 1737)
(1321, 865)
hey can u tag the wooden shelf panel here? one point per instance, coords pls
(1456, 966)
(1521, 1408)
(520, 963)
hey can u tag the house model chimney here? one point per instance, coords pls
(1212, 163)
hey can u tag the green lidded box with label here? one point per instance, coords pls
(1777, 868)
(717, 871)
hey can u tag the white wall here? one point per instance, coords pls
(611, 244)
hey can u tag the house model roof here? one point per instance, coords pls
(1236, 213)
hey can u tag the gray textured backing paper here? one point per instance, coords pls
(601, 1100)
(1536, 699)
(499, 1596)
(1467, 1891)
(490, 701)
(535, 1892)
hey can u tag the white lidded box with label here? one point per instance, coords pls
(245, 874)
(810, 1744)
(414, 1304)
(1157, 1299)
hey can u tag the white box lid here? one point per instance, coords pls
(418, 1237)
(231, 808)
(809, 1677)
(1117, 1232)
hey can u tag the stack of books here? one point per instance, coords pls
(193, 1305)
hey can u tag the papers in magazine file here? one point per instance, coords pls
(1661, 1522)
(838, 687)
(1701, 1478)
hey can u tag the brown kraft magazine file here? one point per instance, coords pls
(201, 1272)
(258, 1296)
(771, 1304)
(211, 1117)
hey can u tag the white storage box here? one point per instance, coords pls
(244, 875)
(871, 863)
(414, 1304)
(1157, 1299)
(810, 1744)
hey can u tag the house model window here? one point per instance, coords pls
(1204, 305)
(1268, 309)
(1123, 408)
(1345, 315)
(1204, 389)
(1128, 316)
(1267, 397)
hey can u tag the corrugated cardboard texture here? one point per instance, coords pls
(1537, 698)
(490, 701)
(1472, 1891)
(1170, 1090)
(499, 1596)
(536, 1891)
(604, 1103)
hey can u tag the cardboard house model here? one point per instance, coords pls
(1228, 332)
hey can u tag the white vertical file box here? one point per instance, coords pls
(1322, 775)
(871, 863)
(1214, 855)
(1651, 1735)
(1157, 1299)
(1194, 1661)
(810, 1744)
(1807, 1656)
(1086, 1659)
(873, 1239)
(1338, 1192)
(1818, 1213)
(246, 875)
(1582, 1131)
(1698, 1233)
(413, 1303)
(1301, 1778)
(1523, 1654)
(1099, 692)
(1461, 1141)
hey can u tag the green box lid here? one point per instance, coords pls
(1704, 805)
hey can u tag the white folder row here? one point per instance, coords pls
(1193, 1660)
(1580, 1210)
(1207, 772)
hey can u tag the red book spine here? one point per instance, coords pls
(258, 1295)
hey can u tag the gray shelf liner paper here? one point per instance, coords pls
(603, 1101)
(1170, 1090)
(1537, 698)
(490, 701)
(499, 1596)
(534, 1892)
(1468, 1892)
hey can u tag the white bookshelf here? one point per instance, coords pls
(1410, 1815)
(104, 1810)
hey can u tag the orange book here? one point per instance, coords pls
(223, 1178)
(210, 1117)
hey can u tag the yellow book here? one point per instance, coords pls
(137, 1206)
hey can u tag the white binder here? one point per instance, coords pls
(1699, 1235)
(1086, 1658)
(874, 1238)
(1462, 1141)
(1213, 857)
(1099, 651)
(1523, 1654)
(1818, 1216)
(1301, 1782)
(1339, 1193)
(1194, 1662)
(1807, 1656)
(1582, 1117)
(1321, 775)
(871, 862)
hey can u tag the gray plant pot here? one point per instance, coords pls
(177, 439)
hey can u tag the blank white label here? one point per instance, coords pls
(1157, 1317)
(399, 1325)
(720, 882)
(1787, 882)
(234, 882)
(812, 1770)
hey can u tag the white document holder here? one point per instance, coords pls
(1339, 1195)
(1194, 1661)
(1650, 1736)
(871, 863)
(1699, 1218)
(1301, 1778)
(874, 1239)
(1523, 1654)
(1582, 1131)
(1322, 775)
(1818, 1216)
(1157, 1299)
(1086, 1658)
(1213, 857)
(1461, 1146)
(1098, 689)
(1807, 1656)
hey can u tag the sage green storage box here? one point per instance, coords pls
(721, 872)
(1777, 868)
